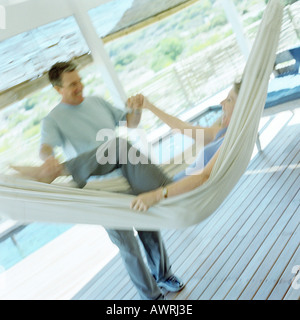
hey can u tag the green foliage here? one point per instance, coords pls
(166, 52)
(124, 60)
(32, 131)
(5, 145)
(3, 131)
(218, 20)
(287, 2)
(161, 62)
(254, 19)
(15, 118)
(205, 6)
(29, 104)
(171, 47)
(198, 46)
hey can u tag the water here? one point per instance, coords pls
(33, 237)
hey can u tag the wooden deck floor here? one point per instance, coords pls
(248, 249)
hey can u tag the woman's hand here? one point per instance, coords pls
(138, 102)
(135, 103)
(146, 200)
(146, 104)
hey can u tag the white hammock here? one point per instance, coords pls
(28, 201)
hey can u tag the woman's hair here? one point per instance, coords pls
(56, 71)
(237, 85)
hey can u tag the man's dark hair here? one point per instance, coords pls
(56, 71)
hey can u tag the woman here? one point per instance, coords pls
(213, 138)
(145, 177)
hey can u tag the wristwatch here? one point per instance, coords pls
(165, 192)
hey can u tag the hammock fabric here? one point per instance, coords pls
(29, 201)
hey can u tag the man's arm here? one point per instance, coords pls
(133, 118)
(135, 105)
(46, 151)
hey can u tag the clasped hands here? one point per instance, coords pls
(137, 103)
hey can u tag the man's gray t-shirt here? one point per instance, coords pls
(75, 128)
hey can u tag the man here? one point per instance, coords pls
(73, 124)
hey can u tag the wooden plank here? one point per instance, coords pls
(245, 250)
(263, 250)
(121, 279)
(267, 217)
(128, 285)
(251, 250)
(98, 282)
(274, 283)
(240, 237)
(219, 236)
(293, 292)
(269, 259)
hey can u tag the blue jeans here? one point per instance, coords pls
(143, 276)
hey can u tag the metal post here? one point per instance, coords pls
(100, 56)
(234, 19)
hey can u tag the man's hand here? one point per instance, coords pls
(46, 151)
(51, 167)
(136, 103)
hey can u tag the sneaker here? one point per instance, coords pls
(172, 284)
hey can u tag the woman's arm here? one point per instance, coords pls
(184, 127)
(148, 199)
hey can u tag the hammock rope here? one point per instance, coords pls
(29, 201)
